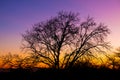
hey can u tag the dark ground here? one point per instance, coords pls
(52, 74)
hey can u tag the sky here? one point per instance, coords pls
(17, 16)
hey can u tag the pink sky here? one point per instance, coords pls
(18, 16)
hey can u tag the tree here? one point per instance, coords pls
(62, 40)
(17, 61)
(115, 59)
(7, 60)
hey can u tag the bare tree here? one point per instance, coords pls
(7, 60)
(115, 59)
(18, 61)
(62, 40)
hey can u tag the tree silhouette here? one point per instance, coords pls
(17, 61)
(7, 60)
(62, 40)
(115, 59)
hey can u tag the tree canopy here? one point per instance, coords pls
(62, 40)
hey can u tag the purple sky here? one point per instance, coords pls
(16, 16)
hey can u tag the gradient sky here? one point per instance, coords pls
(16, 16)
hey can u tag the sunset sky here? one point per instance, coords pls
(16, 16)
